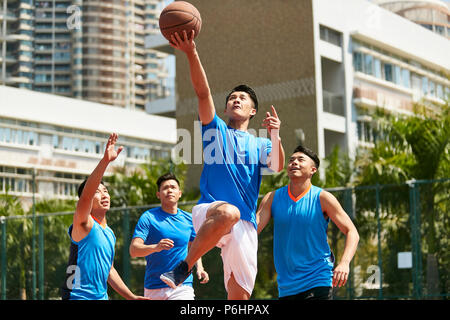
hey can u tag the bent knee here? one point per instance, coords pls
(227, 213)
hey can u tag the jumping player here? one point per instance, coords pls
(301, 212)
(230, 180)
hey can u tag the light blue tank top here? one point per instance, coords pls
(302, 256)
(95, 256)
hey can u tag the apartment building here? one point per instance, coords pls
(431, 14)
(90, 50)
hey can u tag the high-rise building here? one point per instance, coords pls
(17, 43)
(91, 50)
(431, 14)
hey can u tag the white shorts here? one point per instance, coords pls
(182, 292)
(239, 249)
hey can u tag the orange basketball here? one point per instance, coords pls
(179, 16)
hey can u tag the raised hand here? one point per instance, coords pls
(186, 44)
(271, 121)
(110, 152)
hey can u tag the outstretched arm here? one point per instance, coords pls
(206, 109)
(332, 208)
(82, 222)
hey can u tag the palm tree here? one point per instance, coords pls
(18, 245)
(411, 148)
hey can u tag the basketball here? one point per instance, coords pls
(179, 16)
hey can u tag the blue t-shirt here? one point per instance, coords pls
(93, 258)
(233, 161)
(302, 256)
(156, 224)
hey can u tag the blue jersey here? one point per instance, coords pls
(156, 224)
(90, 262)
(302, 256)
(233, 161)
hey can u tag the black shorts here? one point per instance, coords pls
(317, 293)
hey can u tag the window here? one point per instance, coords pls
(368, 64)
(405, 78)
(377, 68)
(424, 85)
(416, 82)
(397, 74)
(366, 133)
(55, 141)
(439, 91)
(330, 35)
(388, 74)
(431, 88)
(18, 136)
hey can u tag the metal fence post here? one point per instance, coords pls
(3, 257)
(380, 258)
(415, 239)
(33, 238)
(126, 245)
(41, 257)
(349, 208)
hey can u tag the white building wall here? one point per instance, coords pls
(62, 139)
(367, 22)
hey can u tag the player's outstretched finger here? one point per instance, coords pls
(274, 112)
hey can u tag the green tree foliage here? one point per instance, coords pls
(56, 242)
(409, 148)
(138, 187)
(18, 247)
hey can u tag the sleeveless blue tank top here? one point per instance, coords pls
(302, 256)
(92, 259)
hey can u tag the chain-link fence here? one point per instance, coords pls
(402, 253)
(404, 236)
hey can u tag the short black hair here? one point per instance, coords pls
(81, 186)
(165, 177)
(250, 91)
(309, 153)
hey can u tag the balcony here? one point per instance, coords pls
(333, 103)
(333, 112)
(372, 97)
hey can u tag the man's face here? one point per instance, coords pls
(169, 192)
(101, 199)
(240, 106)
(300, 165)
